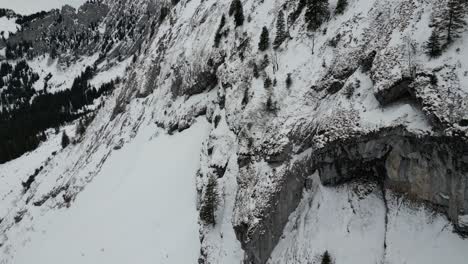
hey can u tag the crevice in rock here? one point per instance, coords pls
(383, 190)
(400, 90)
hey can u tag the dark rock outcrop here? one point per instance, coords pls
(396, 92)
(259, 242)
(433, 169)
(429, 168)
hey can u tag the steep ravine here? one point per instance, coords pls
(385, 202)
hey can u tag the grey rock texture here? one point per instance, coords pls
(429, 168)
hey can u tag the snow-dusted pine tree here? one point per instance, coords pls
(433, 46)
(210, 199)
(281, 33)
(264, 40)
(80, 128)
(65, 140)
(288, 81)
(237, 11)
(316, 14)
(326, 259)
(451, 20)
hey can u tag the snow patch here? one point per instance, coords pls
(140, 208)
(62, 75)
(105, 76)
(463, 220)
(8, 26)
(349, 222)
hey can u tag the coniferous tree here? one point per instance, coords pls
(270, 104)
(9, 54)
(65, 140)
(239, 16)
(452, 19)
(341, 6)
(456, 20)
(22, 127)
(264, 40)
(208, 208)
(256, 74)
(265, 62)
(295, 14)
(433, 46)
(232, 7)
(80, 128)
(316, 14)
(267, 83)
(280, 30)
(237, 11)
(326, 259)
(288, 81)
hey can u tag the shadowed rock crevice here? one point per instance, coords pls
(398, 91)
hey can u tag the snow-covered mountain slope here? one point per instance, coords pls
(8, 26)
(362, 101)
(28, 7)
(140, 211)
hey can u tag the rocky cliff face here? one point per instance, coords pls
(428, 168)
(363, 101)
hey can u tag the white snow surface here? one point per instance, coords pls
(62, 75)
(8, 26)
(141, 208)
(27, 7)
(349, 222)
(106, 75)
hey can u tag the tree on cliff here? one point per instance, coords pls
(65, 140)
(452, 19)
(267, 83)
(288, 81)
(326, 259)
(433, 46)
(341, 6)
(80, 128)
(210, 200)
(281, 33)
(316, 14)
(264, 40)
(237, 11)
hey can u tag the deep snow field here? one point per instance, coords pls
(141, 207)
